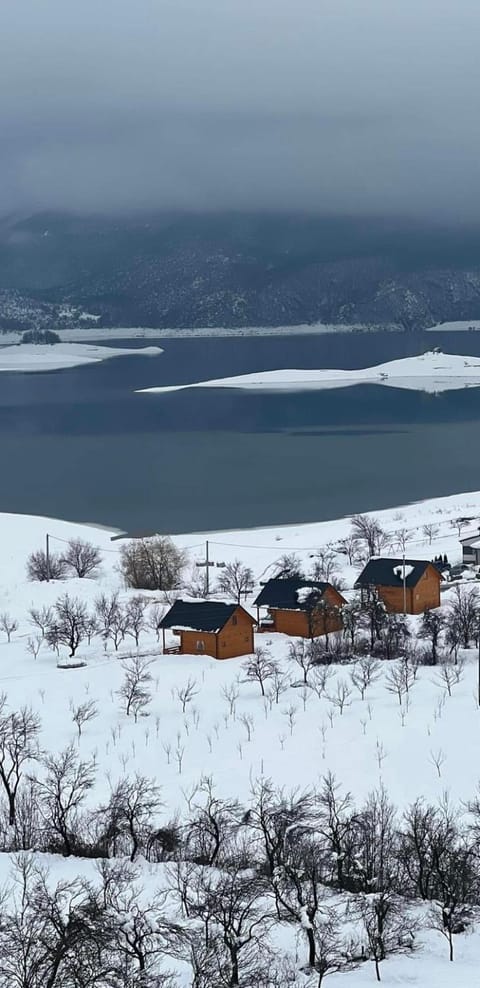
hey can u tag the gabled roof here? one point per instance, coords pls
(389, 572)
(470, 537)
(292, 594)
(199, 615)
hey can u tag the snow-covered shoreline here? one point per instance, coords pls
(33, 358)
(432, 372)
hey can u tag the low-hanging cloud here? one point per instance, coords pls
(351, 106)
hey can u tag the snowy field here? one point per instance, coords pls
(31, 357)
(432, 372)
(427, 749)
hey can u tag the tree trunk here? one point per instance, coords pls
(234, 959)
(311, 947)
(377, 969)
(11, 808)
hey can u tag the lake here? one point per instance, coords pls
(80, 444)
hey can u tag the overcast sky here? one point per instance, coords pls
(329, 105)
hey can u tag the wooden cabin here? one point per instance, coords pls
(470, 544)
(209, 627)
(409, 586)
(301, 608)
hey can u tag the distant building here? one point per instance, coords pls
(301, 608)
(410, 585)
(470, 544)
(209, 628)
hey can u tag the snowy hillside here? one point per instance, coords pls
(418, 745)
(431, 371)
(31, 357)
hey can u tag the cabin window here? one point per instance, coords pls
(200, 646)
(234, 619)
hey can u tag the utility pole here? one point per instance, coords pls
(478, 632)
(206, 564)
(47, 555)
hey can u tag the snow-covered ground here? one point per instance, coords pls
(431, 371)
(82, 333)
(295, 742)
(34, 357)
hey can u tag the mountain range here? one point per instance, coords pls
(172, 271)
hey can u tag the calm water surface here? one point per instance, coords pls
(80, 444)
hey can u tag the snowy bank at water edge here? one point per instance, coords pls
(431, 371)
(29, 357)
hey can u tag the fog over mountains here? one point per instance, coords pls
(232, 270)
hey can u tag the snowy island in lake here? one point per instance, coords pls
(30, 357)
(431, 371)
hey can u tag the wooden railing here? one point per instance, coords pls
(172, 650)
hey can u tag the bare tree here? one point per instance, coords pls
(430, 531)
(288, 566)
(388, 927)
(373, 613)
(84, 713)
(351, 621)
(341, 698)
(260, 668)
(138, 946)
(450, 675)
(335, 823)
(83, 558)
(129, 816)
(324, 563)
(134, 691)
(8, 624)
(111, 619)
(155, 619)
(302, 653)
(152, 564)
(41, 618)
(231, 693)
(62, 789)
(400, 679)
(464, 611)
(135, 617)
(187, 693)
(349, 547)
(236, 580)
(236, 921)
(34, 645)
(319, 679)
(43, 568)
(431, 628)
(458, 524)
(368, 532)
(278, 685)
(365, 672)
(51, 933)
(401, 538)
(19, 731)
(212, 826)
(68, 625)
(334, 950)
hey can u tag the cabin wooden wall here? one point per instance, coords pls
(423, 597)
(189, 643)
(236, 638)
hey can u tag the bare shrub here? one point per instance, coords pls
(236, 580)
(8, 624)
(152, 564)
(83, 558)
(43, 568)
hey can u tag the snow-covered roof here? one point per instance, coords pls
(381, 572)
